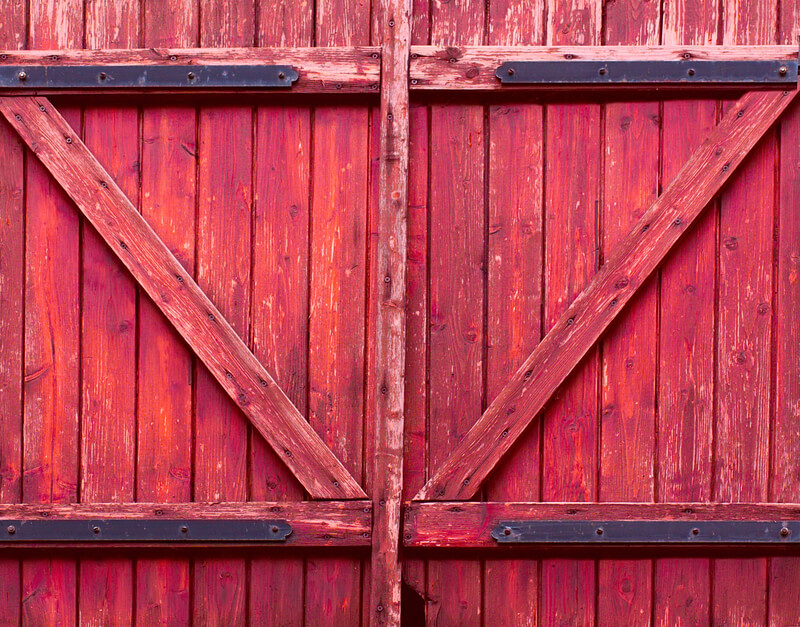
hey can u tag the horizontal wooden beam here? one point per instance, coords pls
(313, 523)
(178, 296)
(468, 525)
(321, 70)
(473, 67)
(593, 310)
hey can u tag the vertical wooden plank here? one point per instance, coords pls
(514, 295)
(784, 572)
(12, 308)
(628, 366)
(388, 284)
(338, 276)
(686, 338)
(416, 373)
(457, 267)
(52, 343)
(224, 272)
(164, 463)
(280, 299)
(744, 338)
(572, 136)
(108, 333)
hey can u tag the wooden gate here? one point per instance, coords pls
(298, 297)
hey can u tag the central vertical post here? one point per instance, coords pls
(388, 290)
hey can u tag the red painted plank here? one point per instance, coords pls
(629, 349)
(108, 333)
(514, 295)
(784, 572)
(52, 343)
(224, 272)
(416, 401)
(745, 309)
(164, 463)
(572, 135)
(686, 339)
(338, 274)
(12, 311)
(279, 318)
(457, 293)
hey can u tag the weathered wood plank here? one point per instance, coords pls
(314, 523)
(12, 315)
(745, 312)
(343, 69)
(166, 380)
(338, 300)
(51, 385)
(596, 307)
(108, 331)
(465, 67)
(417, 313)
(784, 572)
(571, 230)
(393, 20)
(628, 351)
(469, 524)
(686, 337)
(279, 317)
(224, 267)
(514, 294)
(457, 216)
(179, 297)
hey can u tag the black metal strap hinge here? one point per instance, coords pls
(583, 72)
(147, 76)
(646, 532)
(144, 530)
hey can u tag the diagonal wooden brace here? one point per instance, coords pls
(181, 300)
(526, 393)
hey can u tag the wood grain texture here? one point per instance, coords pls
(389, 289)
(279, 317)
(314, 523)
(416, 371)
(469, 524)
(629, 349)
(514, 295)
(457, 292)
(12, 315)
(744, 338)
(177, 294)
(224, 266)
(459, 66)
(686, 337)
(338, 300)
(571, 230)
(333, 70)
(591, 312)
(109, 331)
(52, 342)
(165, 403)
(784, 573)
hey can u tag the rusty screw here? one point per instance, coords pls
(22, 76)
(784, 531)
(281, 75)
(12, 530)
(782, 70)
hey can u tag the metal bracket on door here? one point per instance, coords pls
(147, 76)
(583, 72)
(144, 531)
(646, 532)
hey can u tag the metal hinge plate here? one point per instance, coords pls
(147, 76)
(646, 532)
(582, 72)
(144, 530)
